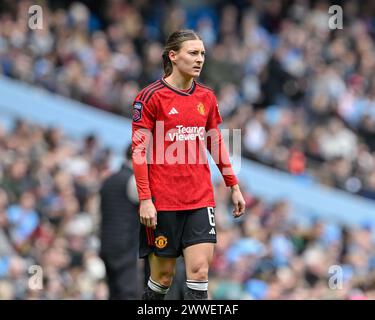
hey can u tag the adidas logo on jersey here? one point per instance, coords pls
(173, 111)
(212, 231)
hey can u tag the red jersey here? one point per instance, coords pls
(170, 128)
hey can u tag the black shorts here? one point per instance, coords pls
(177, 230)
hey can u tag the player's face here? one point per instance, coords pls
(190, 58)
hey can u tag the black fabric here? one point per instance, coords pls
(119, 236)
(149, 294)
(180, 229)
(191, 294)
(178, 287)
(121, 270)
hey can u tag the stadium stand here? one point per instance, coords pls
(303, 95)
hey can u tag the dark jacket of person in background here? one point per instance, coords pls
(119, 233)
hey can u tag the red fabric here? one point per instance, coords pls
(220, 155)
(140, 165)
(183, 181)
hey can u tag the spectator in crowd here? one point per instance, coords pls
(22, 220)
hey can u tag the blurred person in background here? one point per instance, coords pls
(120, 231)
(23, 221)
(177, 200)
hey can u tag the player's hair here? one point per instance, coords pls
(174, 43)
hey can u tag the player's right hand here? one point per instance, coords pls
(147, 213)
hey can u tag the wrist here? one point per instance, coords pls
(145, 201)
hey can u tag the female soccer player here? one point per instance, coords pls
(174, 120)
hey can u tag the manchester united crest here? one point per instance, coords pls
(201, 108)
(161, 242)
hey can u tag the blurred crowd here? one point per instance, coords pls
(303, 95)
(269, 255)
(50, 217)
(49, 214)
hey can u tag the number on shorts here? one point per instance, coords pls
(211, 216)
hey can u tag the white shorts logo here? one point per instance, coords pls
(211, 219)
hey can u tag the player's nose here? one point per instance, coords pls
(200, 58)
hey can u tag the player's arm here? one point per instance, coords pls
(143, 121)
(219, 152)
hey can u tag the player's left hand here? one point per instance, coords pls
(238, 201)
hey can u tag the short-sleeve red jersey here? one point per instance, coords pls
(177, 175)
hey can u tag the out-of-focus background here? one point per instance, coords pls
(302, 94)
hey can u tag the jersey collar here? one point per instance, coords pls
(180, 92)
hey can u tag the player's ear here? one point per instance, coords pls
(172, 55)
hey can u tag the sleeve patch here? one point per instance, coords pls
(137, 111)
